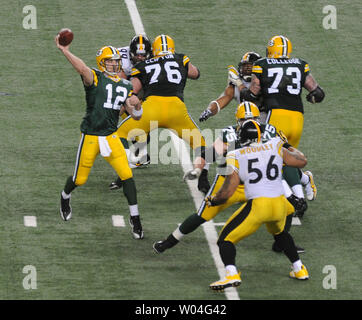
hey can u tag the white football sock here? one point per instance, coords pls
(297, 265)
(133, 210)
(231, 270)
(65, 196)
(178, 234)
(304, 179)
(287, 191)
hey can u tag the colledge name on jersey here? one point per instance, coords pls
(283, 61)
(167, 56)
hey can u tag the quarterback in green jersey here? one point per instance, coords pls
(107, 96)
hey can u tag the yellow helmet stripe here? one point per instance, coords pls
(141, 42)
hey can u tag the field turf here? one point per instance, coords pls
(42, 104)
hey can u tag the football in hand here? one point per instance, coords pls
(65, 36)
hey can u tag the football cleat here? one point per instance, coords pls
(310, 187)
(65, 208)
(116, 184)
(143, 162)
(301, 208)
(302, 274)
(135, 223)
(228, 281)
(160, 246)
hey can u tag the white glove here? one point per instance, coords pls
(233, 76)
(192, 174)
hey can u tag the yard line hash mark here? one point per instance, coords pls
(118, 221)
(30, 221)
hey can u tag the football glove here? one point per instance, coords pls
(206, 114)
(233, 76)
(210, 201)
(192, 174)
(315, 96)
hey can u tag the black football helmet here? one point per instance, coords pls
(249, 132)
(140, 45)
(246, 63)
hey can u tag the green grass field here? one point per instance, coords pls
(41, 107)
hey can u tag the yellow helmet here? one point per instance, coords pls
(163, 44)
(108, 53)
(279, 47)
(246, 110)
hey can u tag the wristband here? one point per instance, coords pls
(137, 113)
(217, 104)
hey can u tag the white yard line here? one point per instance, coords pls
(135, 17)
(209, 227)
(184, 156)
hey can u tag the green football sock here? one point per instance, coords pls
(130, 191)
(69, 185)
(191, 223)
(125, 143)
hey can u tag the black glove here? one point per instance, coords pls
(206, 114)
(316, 95)
(210, 201)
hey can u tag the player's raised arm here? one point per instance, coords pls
(76, 62)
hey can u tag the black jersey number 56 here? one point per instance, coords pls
(272, 170)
